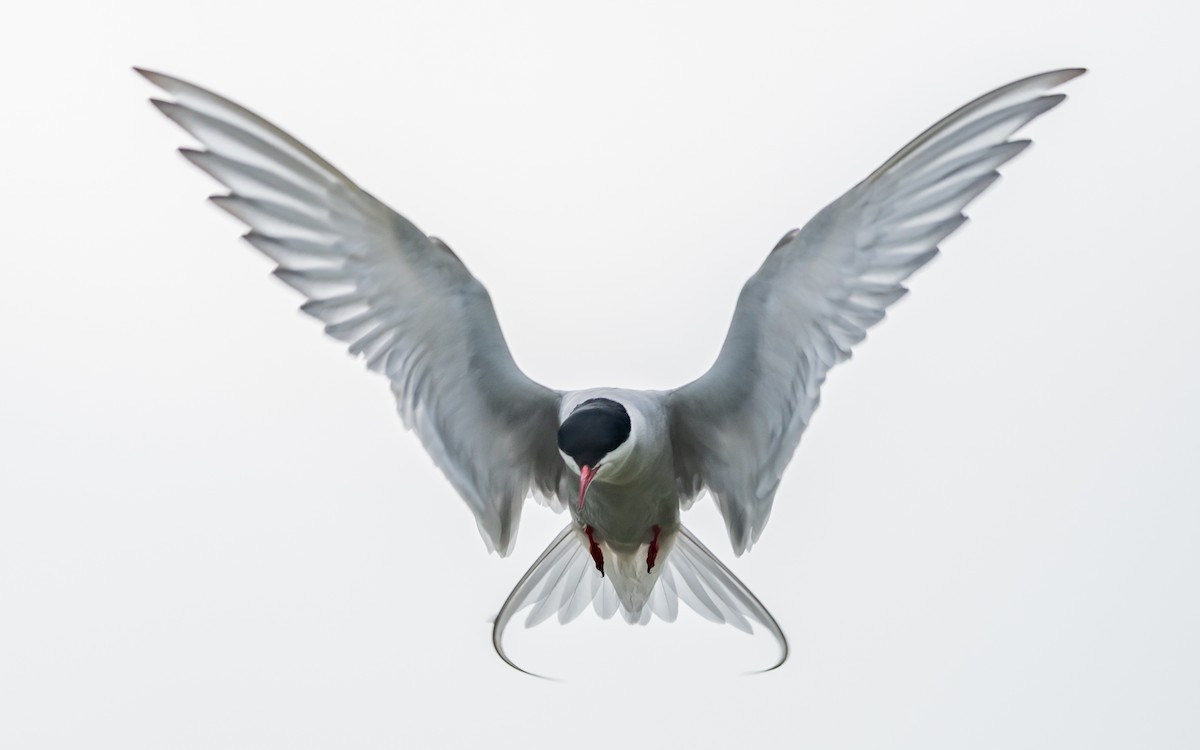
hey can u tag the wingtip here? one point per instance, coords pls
(1060, 76)
(153, 76)
(174, 86)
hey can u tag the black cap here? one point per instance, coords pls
(594, 429)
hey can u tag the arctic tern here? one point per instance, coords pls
(624, 463)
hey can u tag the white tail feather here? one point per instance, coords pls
(564, 581)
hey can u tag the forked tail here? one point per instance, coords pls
(564, 582)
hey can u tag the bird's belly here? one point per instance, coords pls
(625, 518)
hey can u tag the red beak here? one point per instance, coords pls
(586, 475)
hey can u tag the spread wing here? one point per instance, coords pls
(734, 429)
(400, 300)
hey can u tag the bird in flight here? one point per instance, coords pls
(623, 463)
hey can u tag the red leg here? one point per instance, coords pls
(594, 548)
(652, 553)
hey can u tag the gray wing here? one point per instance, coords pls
(399, 299)
(734, 430)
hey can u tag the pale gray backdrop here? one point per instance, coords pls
(214, 532)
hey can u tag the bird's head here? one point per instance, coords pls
(593, 438)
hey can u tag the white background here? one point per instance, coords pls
(214, 532)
